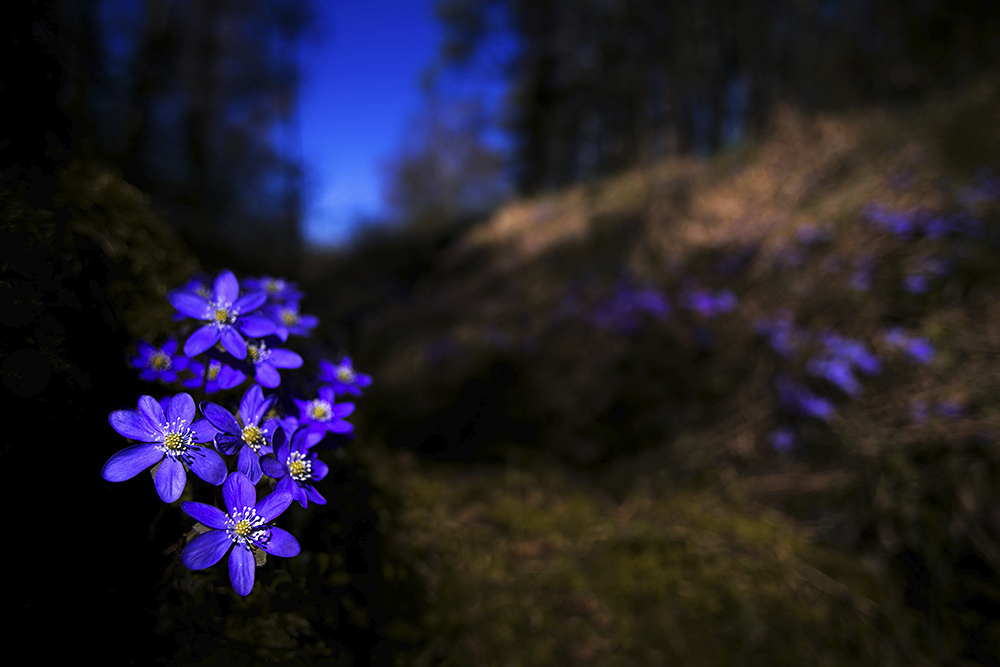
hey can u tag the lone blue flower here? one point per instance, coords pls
(169, 438)
(159, 363)
(245, 527)
(288, 320)
(226, 315)
(322, 416)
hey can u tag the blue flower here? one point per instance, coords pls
(322, 416)
(295, 467)
(159, 363)
(342, 377)
(245, 527)
(248, 436)
(278, 290)
(917, 348)
(796, 399)
(287, 320)
(267, 360)
(226, 315)
(171, 439)
(220, 376)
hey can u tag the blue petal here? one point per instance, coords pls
(151, 408)
(233, 342)
(133, 425)
(181, 407)
(221, 418)
(252, 399)
(170, 479)
(272, 467)
(228, 444)
(229, 377)
(201, 340)
(226, 287)
(130, 461)
(339, 426)
(190, 304)
(206, 549)
(342, 410)
(255, 326)
(249, 465)
(238, 492)
(319, 469)
(241, 566)
(250, 302)
(267, 375)
(314, 496)
(281, 544)
(273, 505)
(285, 359)
(203, 431)
(208, 465)
(326, 393)
(206, 515)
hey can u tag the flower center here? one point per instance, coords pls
(159, 361)
(257, 353)
(320, 410)
(177, 439)
(213, 370)
(273, 286)
(222, 314)
(254, 437)
(289, 317)
(345, 374)
(299, 467)
(245, 528)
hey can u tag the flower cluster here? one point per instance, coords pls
(241, 330)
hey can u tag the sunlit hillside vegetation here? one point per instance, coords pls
(729, 411)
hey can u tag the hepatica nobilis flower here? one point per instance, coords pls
(248, 436)
(225, 314)
(288, 320)
(267, 360)
(342, 377)
(295, 467)
(220, 376)
(159, 363)
(171, 438)
(245, 526)
(278, 290)
(322, 416)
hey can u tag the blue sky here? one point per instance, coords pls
(361, 83)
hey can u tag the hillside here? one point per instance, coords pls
(728, 411)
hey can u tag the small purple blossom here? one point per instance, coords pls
(220, 376)
(782, 335)
(278, 290)
(247, 437)
(245, 527)
(917, 348)
(322, 416)
(295, 467)
(796, 399)
(159, 363)
(170, 438)
(267, 360)
(342, 377)
(288, 320)
(225, 313)
(707, 304)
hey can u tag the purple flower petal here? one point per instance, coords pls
(249, 465)
(221, 418)
(273, 505)
(252, 399)
(208, 465)
(133, 425)
(229, 377)
(238, 492)
(201, 340)
(233, 342)
(241, 566)
(342, 410)
(181, 407)
(339, 426)
(307, 321)
(206, 515)
(314, 496)
(130, 461)
(203, 431)
(228, 444)
(250, 302)
(281, 358)
(319, 469)
(326, 393)
(281, 544)
(151, 408)
(170, 479)
(267, 375)
(287, 485)
(255, 326)
(272, 467)
(362, 380)
(226, 287)
(190, 304)
(206, 549)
